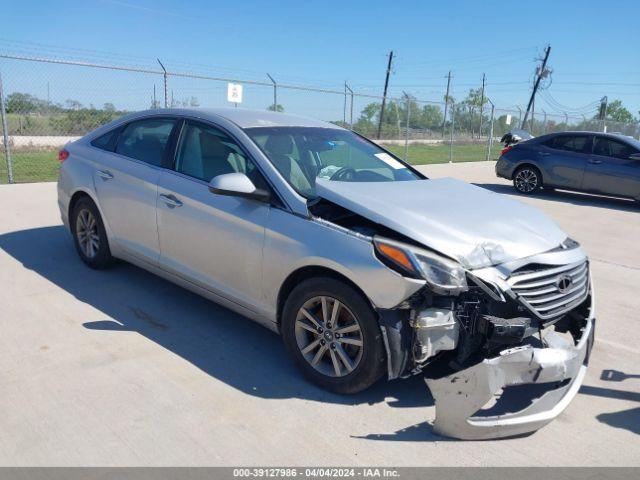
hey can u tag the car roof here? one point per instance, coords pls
(615, 136)
(586, 132)
(243, 117)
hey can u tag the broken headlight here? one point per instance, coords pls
(443, 275)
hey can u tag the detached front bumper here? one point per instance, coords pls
(460, 396)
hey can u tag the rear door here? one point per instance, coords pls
(610, 170)
(126, 185)
(563, 159)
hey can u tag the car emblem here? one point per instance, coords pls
(564, 283)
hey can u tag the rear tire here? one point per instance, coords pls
(527, 180)
(346, 356)
(89, 235)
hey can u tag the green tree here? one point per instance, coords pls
(431, 117)
(370, 111)
(475, 98)
(618, 113)
(275, 108)
(73, 104)
(24, 103)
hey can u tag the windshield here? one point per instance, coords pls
(302, 154)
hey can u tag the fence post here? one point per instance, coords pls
(351, 113)
(166, 97)
(275, 93)
(395, 105)
(490, 139)
(5, 135)
(453, 124)
(344, 108)
(406, 131)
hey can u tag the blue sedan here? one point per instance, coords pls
(590, 162)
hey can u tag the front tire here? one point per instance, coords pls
(89, 235)
(333, 335)
(527, 180)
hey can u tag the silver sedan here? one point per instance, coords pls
(363, 265)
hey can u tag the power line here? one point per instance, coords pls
(474, 58)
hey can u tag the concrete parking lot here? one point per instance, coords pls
(122, 368)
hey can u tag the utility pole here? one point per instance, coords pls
(533, 114)
(446, 102)
(541, 73)
(384, 95)
(481, 105)
(602, 114)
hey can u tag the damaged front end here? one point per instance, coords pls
(503, 342)
(505, 356)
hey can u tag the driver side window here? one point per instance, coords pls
(611, 148)
(205, 152)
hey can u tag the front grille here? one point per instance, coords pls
(551, 292)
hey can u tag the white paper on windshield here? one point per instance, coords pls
(389, 160)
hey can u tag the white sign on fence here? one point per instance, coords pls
(508, 120)
(234, 92)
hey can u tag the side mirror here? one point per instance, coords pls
(237, 185)
(634, 156)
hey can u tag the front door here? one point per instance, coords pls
(611, 171)
(213, 240)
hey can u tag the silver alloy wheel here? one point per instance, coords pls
(329, 336)
(526, 180)
(87, 233)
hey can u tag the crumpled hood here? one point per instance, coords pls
(468, 223)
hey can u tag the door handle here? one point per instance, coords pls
(544, 154)
(170, 201)
(595, 162)
(105, 175)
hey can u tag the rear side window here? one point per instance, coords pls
(612, 148)
(145, 140)
(106, 141)
(569, 143)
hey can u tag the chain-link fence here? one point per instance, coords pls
(46, 103)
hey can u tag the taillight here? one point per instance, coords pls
(63, 155)
(506, 149)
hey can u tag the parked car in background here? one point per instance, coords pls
(590, 162)
(365, 267)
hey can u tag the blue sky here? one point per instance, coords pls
(595, 45)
